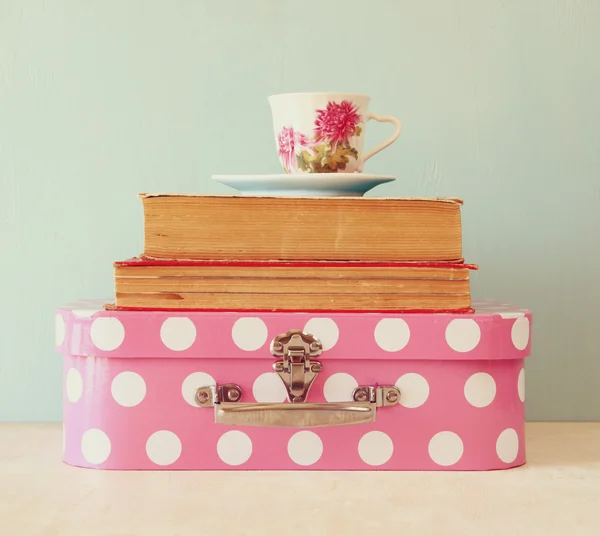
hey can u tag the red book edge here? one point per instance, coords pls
(466, 310)
(141, 261)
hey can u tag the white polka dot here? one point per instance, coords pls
(392, 334)
(520, 333)
(249, 333)
(268, 387)
(128, 389)
(324, 329)
(414, 390)
(507, 445)
(84, 312)
(446, 448)
(59, 329)
(178, 333)
(95, 446)
(74, 385)
(163, 447)
(107, 333)
(480, 390)
(234, 447)
(521, 385)
(305, 448)
(375, 448)
(463, 334)
(512, 314)
(339, 387)
(192, 383)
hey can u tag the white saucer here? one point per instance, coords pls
(305, 184)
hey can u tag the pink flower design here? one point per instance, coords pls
(337, 122)
(291, 142)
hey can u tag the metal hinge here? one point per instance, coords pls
(297, 369)
(382, 395)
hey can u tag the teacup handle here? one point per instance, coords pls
(389, 141)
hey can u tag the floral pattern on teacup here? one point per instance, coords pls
(330, 148)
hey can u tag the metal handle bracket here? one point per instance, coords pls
(297, 369)
(288, 415)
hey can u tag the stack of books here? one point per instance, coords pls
(261, 253)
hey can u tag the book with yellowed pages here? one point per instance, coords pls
(292, 286)
(262, 228)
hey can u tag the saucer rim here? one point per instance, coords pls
(306, 176)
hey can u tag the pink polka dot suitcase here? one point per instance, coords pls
(148, 390)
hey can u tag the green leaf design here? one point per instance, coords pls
(322, 159)
(358, 130)
(301, 161)
(339, 158)
(320, 153)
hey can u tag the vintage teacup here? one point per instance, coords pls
(324, 132)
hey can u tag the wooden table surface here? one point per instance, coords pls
(556, 493)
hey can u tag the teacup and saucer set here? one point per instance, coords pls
(320, 142)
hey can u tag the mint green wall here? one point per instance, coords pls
(500, 101)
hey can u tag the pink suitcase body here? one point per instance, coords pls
(211, 390)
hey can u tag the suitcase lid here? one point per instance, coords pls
(494, 331)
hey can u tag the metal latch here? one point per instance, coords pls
(296, 369)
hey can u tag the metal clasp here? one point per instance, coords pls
(296, 369)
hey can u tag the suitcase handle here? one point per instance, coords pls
(227, 409)
(297, 369)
